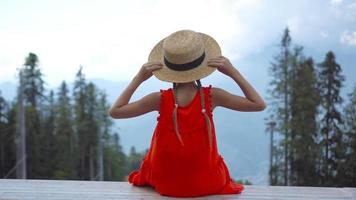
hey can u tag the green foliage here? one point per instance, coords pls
(281, 71)
(115, 161)
(304, 104)
(33, 84)
(348, 166)
(244, 182)
(7, 140)
(330, 83)
(314, 146)
(62, 133)
(65, 139)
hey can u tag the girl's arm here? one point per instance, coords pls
(123, 109)
(220, 97)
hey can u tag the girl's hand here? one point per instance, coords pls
(223, 64)
(146, 70)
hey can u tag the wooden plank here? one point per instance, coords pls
(37, 189)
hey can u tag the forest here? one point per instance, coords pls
(61, 135)
(313, 133)
(68, 134)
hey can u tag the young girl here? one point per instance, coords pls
(183, 158)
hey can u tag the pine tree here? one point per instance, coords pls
(304, 104)
(105, 123)
(333, 149)
(80, 123)
(349, 166)
(33, 92)
(20, 139)
(92, 125)
(47, 136)
(280, 94)
(66, 141)
(33, 82)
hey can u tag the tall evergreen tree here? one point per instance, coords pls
(20, 139)
(80, 123)
(105, 123)
(349, 166)
(280, 93)
(331, 79)
(87, 125)
(304, 104)
(296, 61)
(66, 140)
(92, 125)
(33, 82)
(33, 92)
(47, 137)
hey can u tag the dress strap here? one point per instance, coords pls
(208, 99)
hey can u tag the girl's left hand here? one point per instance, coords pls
(223, 65)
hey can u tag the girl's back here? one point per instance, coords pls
(194, 170)
(183, 158)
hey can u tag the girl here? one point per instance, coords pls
(183, 158)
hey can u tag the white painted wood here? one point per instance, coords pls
(37, 189)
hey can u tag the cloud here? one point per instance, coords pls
(336, 2)
(348, 38)
(324, 34)
(112, 39)
(344, 10)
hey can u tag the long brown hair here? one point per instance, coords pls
(203, 110)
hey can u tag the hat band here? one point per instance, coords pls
(185, 66)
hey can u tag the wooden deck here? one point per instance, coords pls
(36, 189)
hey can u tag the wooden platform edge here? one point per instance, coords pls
(82, 189)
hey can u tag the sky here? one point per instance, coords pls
(112, 39)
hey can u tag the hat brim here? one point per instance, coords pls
(212, 50)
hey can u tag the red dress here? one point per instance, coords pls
(184, 171)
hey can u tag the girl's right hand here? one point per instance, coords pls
(147, 69)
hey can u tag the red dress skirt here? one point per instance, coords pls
(184, 171)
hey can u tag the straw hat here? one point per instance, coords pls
(184, 56)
